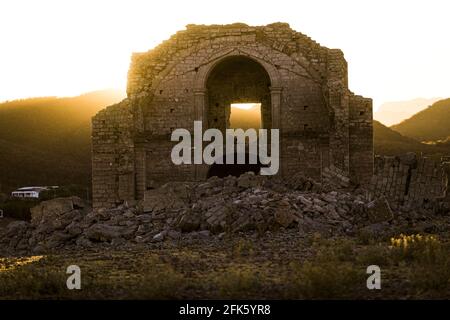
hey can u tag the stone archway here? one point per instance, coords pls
(207, 68)
(236, 79)
(321, 122)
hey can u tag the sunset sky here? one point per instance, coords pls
(396, 50)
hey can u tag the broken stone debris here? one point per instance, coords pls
(199, 210)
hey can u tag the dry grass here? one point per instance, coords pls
(316, 268)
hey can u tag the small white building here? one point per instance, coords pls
(30, 192)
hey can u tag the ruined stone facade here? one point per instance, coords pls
(410, 180)
(196, 75)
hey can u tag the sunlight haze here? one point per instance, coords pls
(245, 106)
(396, 50)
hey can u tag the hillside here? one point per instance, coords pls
(47, 140)
(391, 113)
(390, 142)
(24, 165)
(431, 124)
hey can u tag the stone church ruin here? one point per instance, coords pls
(197, 74)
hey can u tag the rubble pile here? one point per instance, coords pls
(213, 208)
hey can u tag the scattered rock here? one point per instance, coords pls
(104, 232)
(118, 242)
(373, 231)
(283, 215)
(215, 208)
(204, 234)
(16, 228)
(379, 210)
(172, 234)
(51, 209)
(159, 237)
(188, 221)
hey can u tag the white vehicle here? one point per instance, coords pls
(30, 192)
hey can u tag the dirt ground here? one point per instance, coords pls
(278, 265)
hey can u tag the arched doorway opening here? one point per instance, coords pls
(236, 81)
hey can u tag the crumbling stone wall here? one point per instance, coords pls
(360, 139)
(410, 180)
(113, 163)
(303, 88)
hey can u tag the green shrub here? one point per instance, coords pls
(417, 248)
(326, 280)
(238, 283)
(330, 274)
(158, 281)
(243, 248)
(30, 281)
(428, 258)
(377, 254)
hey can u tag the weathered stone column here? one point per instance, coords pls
(275, 95)
(275, 98)
(200, 106)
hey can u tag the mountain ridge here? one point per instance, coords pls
(393, 112)
(430, 124)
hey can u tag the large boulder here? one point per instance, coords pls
(16, 228)
(284, 215)
(188, 221)
(379, 210)
(48, 211)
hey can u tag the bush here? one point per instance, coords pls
(243, 248)
(429, 260)
(46, 279)
(26, 280)
(377, 254)
(158, 281)
(238, 283)
(418, 248)
(18, 208)
(326, 280)
(330, 274)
